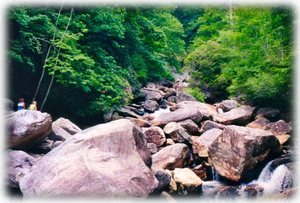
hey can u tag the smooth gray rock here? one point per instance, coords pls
(239, 115)
(171, 157)
(62, 129)
(26, 128)
(19, 163)
(151, 106)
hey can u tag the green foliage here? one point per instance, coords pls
(105, 55)
(251, 60)
(195, 92)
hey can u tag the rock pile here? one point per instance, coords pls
(166, 143)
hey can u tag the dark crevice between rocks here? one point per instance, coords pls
(14, 192)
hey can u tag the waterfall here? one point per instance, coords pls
(265, 173)
(272, 182)
(160, 110)
(210, 188)
(215, 175)
(281, 179)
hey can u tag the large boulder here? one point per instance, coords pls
(177, 115)
(140, 122)
(171, 157)
(207, 125)
(207, 110)
(152, 94)
(19, 163)
(108, 160)
(128, 111)
(177, 133)
(26, 128)
(62, 129)
(154, 135)
(180, 97)
(239, 115)
(190, 126)
(280, 127)
(227, 105)
(151, 106)
(187, 181)
(259, 122)
(201, 144)
(238, 150)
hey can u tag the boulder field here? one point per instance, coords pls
(166, 144)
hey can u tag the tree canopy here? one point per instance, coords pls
(92, 60)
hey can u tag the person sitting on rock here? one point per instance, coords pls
(21, 104)
(33, 106)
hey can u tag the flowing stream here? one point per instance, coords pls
(270, 181)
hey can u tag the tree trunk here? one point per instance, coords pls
(46, 58)
(52, 78)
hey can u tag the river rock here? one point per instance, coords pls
(187, 181)
(154, 135)
(207, 110)
(19, 163)
(210, 188)
(190, 126)
(201, 144)
(62, 129)
(259, 122)
(239, 115)
(26, 128)
(227, 105)
(200, 171)
(107, 160)
(251, 191)
(228, 192)
(169, 141)
(180, 97)
(152, 148)
(166, 83)
(151, 106)
(238, 150)
(140, 122)
(176, 116)
(172, 99)
(207, 125)
(177, 133)
(172, 185)
(284, 138)
(170, 157)
(267, 112)
(280, 127)
(152, 94)
(128, 111)
(164, 180)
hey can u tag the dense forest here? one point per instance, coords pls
(83, 62)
